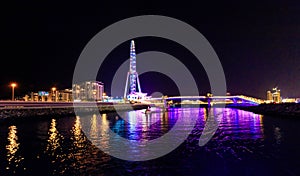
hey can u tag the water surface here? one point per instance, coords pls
(244, 144)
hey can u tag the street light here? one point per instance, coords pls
(13, 85)
(53, 95)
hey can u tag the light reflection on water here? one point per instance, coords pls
(13, 156)
(241, 136)
(54, 150)
(96, 131)
(242, 123)
(54, 140)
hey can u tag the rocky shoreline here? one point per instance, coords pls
(17, 114)
(283, 109)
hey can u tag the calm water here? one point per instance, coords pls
(244, 144)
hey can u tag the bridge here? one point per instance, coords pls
(134, 94)
(237, 100)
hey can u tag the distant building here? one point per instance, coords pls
(137, 97)
(269, 96)
(289, 100)
(88, 91)
(274, 97)
(64, 95)
(210, 95)
(53, 96)
(38, 96)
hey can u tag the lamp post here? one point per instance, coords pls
(103, 96)
(53, 93)
(13, 85)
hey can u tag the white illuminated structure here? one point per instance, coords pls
(131, 93)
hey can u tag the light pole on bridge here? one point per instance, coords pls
(13, 85)
(53, 93)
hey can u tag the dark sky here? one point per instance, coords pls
(258, 43)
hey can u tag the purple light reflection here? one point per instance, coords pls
(241, 124)
(235, 125)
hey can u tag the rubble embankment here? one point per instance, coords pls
(281, 109)
(13, 114)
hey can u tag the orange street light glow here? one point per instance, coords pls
(13, 85)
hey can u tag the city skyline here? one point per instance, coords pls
(150, 88)
(256, 44)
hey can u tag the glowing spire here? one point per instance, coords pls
(132, 75)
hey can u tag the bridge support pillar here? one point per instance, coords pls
(234, 101)
(165, 104)
(209, 102)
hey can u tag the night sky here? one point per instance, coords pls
(258, 43)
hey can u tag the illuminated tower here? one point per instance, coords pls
(132, 75)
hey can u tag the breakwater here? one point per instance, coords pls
(21, 113)
(283, 109)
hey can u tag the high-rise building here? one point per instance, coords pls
(88, 91)
(269, 96)
(274, 96)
